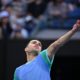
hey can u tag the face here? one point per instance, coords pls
(5, 20)
(9, 9)
(34, 45)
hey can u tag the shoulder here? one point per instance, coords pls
(17, 72)
(42, 54)
(46, 58)
(22, 68)
(44, 51)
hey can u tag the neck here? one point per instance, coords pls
(30, 57)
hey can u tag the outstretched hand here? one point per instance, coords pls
(76, 26)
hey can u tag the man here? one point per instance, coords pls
(39, 62)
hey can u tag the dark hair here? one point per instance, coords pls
(8, 5)
(57, 1)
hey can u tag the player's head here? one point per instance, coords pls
(34, 46)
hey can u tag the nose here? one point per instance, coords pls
(36, 44)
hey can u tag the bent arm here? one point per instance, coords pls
(58, 43)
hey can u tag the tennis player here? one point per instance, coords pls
(39, 62)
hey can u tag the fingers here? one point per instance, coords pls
(76, 26)
(78, 22)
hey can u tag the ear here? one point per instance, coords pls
(25, 49)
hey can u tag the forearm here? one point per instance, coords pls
(64, 38)
(58, 43)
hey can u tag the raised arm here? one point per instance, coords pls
(63, 39)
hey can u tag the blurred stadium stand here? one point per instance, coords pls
(75, 14)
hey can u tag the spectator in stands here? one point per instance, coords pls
(76, 2)
(56, 11)
(30, 25)
(19, 6)
(5, 2)
(37, 8)
(19, 32)
(13, 16)
(58, 8)
(5, 24)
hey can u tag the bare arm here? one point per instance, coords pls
(58, 43)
